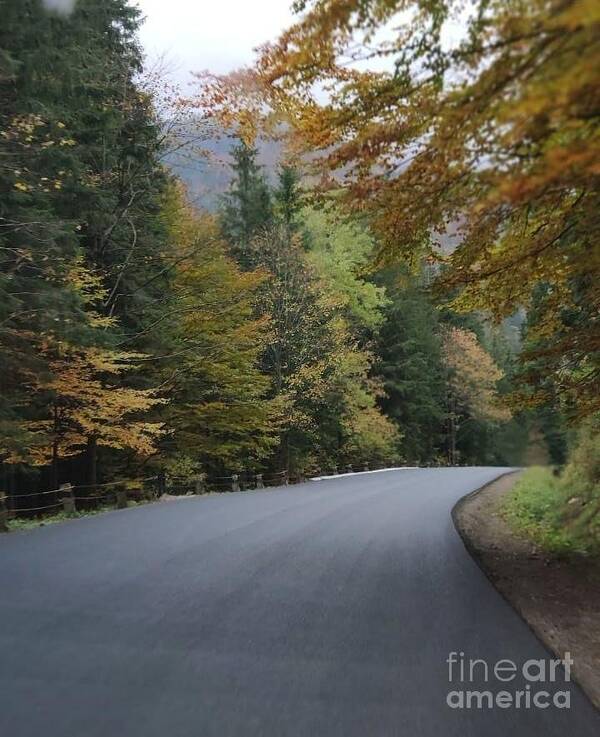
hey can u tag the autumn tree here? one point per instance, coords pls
(300, 342)
(219, 415)
(353, 427)
(317, 308)
(340, 249)
(317, 367)
(80, 184)
(81, 406)
(472, 384)
(478, 149)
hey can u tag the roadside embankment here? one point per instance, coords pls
(558, 595)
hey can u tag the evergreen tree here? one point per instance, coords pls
(247, 207)
(319, 311)
(80, 188)
(287, 196)
(411, 366)
(547, 406)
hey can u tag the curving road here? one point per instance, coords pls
(317, 610)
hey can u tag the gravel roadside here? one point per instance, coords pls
(558, 598)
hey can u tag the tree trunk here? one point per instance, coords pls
(92, 456)
(54, 476)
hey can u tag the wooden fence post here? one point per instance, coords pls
(3, 513)
(121, 495)
(200, 484)
(349, 468)
(366, 467)
(161, 483)
(67, 498)
(235, 482)
(260, 484)
(334, 470)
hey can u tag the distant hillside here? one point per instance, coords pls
(201, 160)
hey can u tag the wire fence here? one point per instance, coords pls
(81, 498)
(73, 499)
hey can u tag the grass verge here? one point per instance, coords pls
(554, 513)
(16, 524)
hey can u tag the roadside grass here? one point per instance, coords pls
(558, 514)
(16, 524)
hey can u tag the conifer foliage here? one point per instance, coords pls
(139, 333)
(469, 133)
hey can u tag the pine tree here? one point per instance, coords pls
(410, 364)
(287, 196)
(79, 194)
(247, 208)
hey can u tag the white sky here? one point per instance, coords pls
(219, 35)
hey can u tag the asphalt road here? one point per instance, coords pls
(317, 610)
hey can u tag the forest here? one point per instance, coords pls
(414, 282)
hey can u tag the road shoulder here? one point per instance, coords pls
(558, 598)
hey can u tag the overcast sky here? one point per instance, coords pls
(209, 34)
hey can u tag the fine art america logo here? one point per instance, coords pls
(533, 684)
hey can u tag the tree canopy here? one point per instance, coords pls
(477, 150)
(138, 332)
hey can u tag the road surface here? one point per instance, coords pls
(327, 609)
